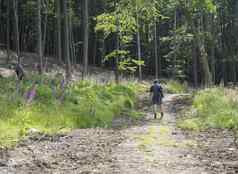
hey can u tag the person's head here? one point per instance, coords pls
(156, 81)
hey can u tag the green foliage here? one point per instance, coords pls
(107, 24)
(213, 108)
(176, 87)
(85, 104)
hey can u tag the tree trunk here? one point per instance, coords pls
(59, 40)
(66, 47)
(156, 51)
(8, 31)
(195, 64)
(175, 45)
(139, 45)
(40, 36)
(117, 49)
(95, 49)
(86, 36)
(207, 79)
(15, 9)
(45, 28)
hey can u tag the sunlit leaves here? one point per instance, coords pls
(106, 23)
(204, 5)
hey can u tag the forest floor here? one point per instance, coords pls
(141, 147)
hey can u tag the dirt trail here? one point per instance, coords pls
(158, 147)
(153, 147)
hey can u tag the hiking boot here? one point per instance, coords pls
(161, 116)
(155, 115)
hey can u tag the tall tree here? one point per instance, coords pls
(117, 46)
(86, 37)
(8, 30)
(40, 53)
(175, 44)
(59, 40)
(138, 40)
(16, 29)
(156, 50)
(66, 34)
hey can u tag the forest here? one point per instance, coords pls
(76, 77)
(192, 41)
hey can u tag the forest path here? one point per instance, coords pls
(153, 147)
(158, 147)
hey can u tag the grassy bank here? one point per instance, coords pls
(56, 108)
(213, 108)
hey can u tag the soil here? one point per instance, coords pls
(146, 146)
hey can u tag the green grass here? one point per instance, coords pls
(212, 108)
(176, 87)
(85, 105)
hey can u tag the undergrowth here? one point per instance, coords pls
(176, 87)
(213, 108)
(57, 109)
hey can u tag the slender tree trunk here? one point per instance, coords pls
(175, 45)
(103, 52)
(195, 64)
(156, 51)
(15, 8)
(139, 45)
(59, 40)
(86, 37)
(233, 70)
(95, 35)
(45, 28)
(213, 61)
(66, 33)
(8, 31)
(40, 36)
(207, 79)
(117, 49)
(95, 49)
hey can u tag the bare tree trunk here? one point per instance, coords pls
(116, 71)
(204, 60)
(66, 32)
(213, 61)
(95, 49)
(8, 31)
(15, 8)
(156, 51)
(85, 45)
(139, 45)
(194, 56)
(103, 52)
(40, 36)
(195, 64)
(45, 27)
(59, 45)
(175, 44)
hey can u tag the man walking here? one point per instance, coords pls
(156, 92)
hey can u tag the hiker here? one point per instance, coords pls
(19, 72)
(156, 93)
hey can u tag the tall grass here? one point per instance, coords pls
(84, 104)
(213, 108)
(176, 87)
